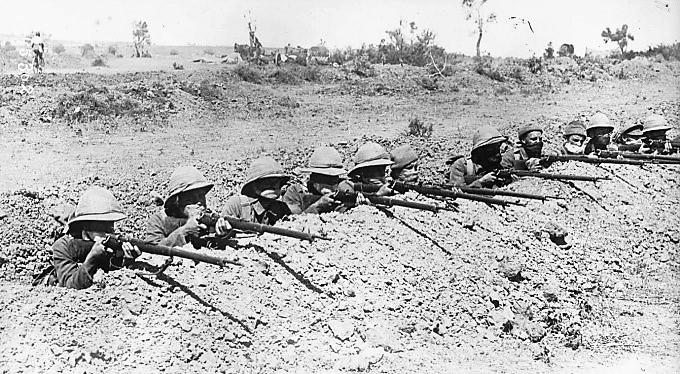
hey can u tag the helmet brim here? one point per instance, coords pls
(100, 217)
(333, 172)
(378, 162)
(656, 128)
(494, 140)
(194, 186)
(247, 187)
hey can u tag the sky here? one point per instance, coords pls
(342, 23)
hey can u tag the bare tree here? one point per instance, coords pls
(621, 37)
(141, 39)
(475, 12)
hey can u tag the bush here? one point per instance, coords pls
(177, 66)
(86, 49)
(416, 127)
(58, 49)
(248, 74)
(285, 76)
(209, 91)
(99, 61)
(174, 52)
(8, 47)
(112, 50)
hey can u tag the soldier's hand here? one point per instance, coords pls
(385, 191)
(192, 227)
(195, 211)
(222, 227)
(326, 202)
(534, 164)
(97, 254)
(130, 251)
(362, 200)
(488, 179)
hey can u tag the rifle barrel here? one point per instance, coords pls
(116, 242)
(435, 191)
(210, 219)
(640, 156)
(596, 160)
(522, 173)
(497, 192)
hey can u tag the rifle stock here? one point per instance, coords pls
(115, 242)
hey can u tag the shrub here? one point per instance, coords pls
(112, 50)
(177, 66)
(8, 47)
(99, 61)
(58, 49)
(209, 91)
(86, 49)
(248, 74)
(416, 127)
(285, 76)
(174, 52)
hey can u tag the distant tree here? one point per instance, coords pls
(86, 49)
(58, 49)
(112, 50)
(621, 37)
(475, 12)
(141, 39)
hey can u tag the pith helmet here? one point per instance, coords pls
(654, 122)
(486, 135)
(260, 168)
(97, 204)
(402, 156)
(370, 154)
(575, 128)
(326, 161)
(600, 120)
(186, 178)
(634, 129)
(527, 129)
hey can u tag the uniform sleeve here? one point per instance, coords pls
(155, 233)
(457, 173)
(508, 159)
(293, 198)
(69, 272)
(233, 207)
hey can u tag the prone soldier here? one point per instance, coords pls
(654, 137)
(405, 164)
(259, 200)
(574, 136)
(599, 131)
(477, 169)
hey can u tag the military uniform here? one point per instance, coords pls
(164, 229)
(69, 254)
(599, 121)
(465, 172)
(656, 123)
(253, 208)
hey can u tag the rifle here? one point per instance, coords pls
(591, 160)
(508, 173)
(351, 197)
(435, 191)
(115, 242)
(210, 219)
(497, 192)
(656, 159)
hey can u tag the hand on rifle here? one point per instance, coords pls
(326, 203)
(222, 227)
(362, 200)
(192, 227)
(534, 164)
(488, 179)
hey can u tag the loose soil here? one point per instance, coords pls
(479, 290)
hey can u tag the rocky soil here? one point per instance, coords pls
(483, 289)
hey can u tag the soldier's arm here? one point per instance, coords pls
(457, 173)
(69, 272)
(155, 233)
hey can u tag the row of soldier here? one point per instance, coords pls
(266, 195)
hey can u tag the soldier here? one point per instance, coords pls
(629, 138)
(528, 152)
(80, 253)
(476, 170)
(325, 179)
(599, 131)
(178, 224)
(405, 164)
(654, 129)
(371, 161)
(259, 200)
(574, 136)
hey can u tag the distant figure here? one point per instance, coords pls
(38, 47)
(566, 50)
